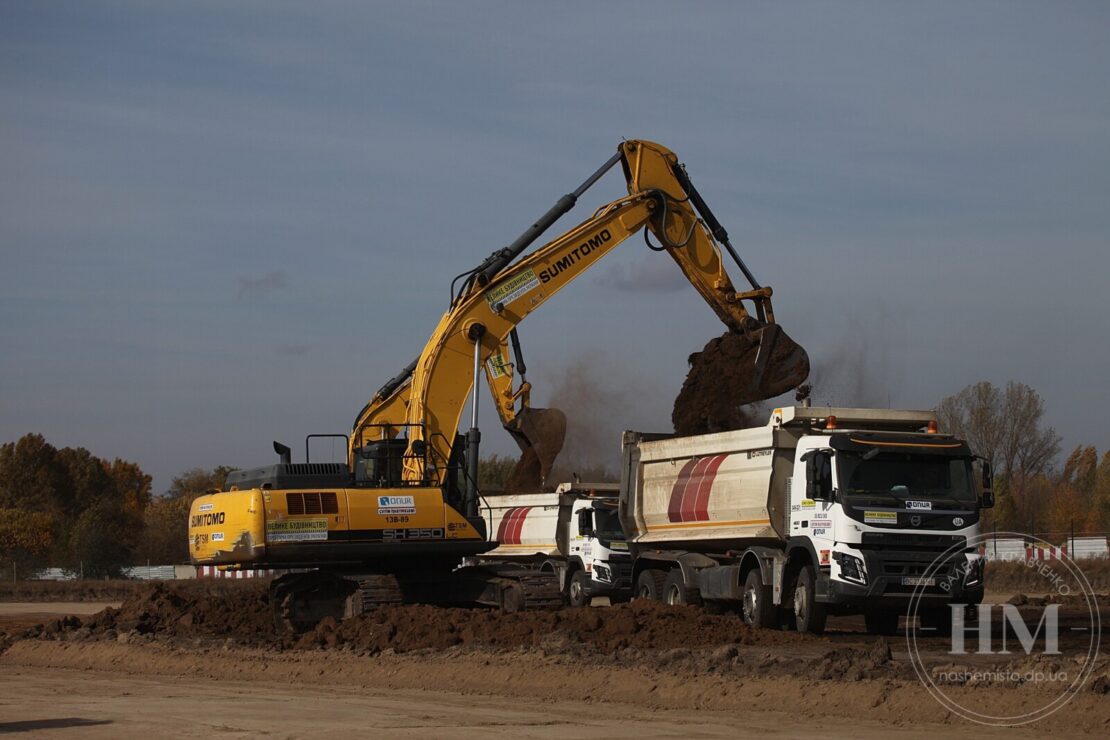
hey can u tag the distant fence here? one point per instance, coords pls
(1021, 549)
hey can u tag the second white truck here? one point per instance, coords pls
(822, 511)
(573, 532)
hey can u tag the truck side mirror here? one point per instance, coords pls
(988, 486)
(818, 475)
(585, 523)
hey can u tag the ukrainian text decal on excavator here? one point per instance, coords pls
(406, 443)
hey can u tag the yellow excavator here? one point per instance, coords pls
(393, 524)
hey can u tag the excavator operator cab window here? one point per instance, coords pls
(380, 463)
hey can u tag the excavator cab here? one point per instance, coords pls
(379, 464)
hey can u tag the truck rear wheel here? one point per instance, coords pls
(808, 614)
(756, 608)
(881, 621)
(649, 585)
(576, 590)
(677, 593)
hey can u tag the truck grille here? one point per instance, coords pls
(936, 543)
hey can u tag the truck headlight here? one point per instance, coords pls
(851, 567)
(602, 573)
(974, 572)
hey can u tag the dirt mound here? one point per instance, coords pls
(236, 609)
(242, 614)
(638, 625)
(721, 381)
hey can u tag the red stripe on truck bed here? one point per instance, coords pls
(690, 490)
(705, 486)
(677, 490)
(690, 493)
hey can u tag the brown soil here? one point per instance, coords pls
(649, 654)
(721, 382)
(638, 625)
(116, 590)
(242, 614)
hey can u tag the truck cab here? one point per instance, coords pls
(886, 515)
(598, 563)
(573, 532)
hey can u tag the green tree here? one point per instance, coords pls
(102, 539)
(494, 472)
(165, 531)
(196, 481)
(26, 538)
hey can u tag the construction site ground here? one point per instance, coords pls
(200, 658)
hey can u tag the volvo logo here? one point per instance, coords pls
(915, 520)
(958, 521)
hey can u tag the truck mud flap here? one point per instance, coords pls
(721, 582)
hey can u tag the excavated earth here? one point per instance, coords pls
(719, 389)
(643, 654)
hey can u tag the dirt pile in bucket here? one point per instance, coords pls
(722, 381)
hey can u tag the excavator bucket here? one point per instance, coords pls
(540, 434)
(733, 371)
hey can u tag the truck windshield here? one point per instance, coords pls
(894, 477)
(607, 526)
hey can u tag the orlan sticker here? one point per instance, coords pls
(396, 505)
(297, 530)
(880, 517)
(513, 288)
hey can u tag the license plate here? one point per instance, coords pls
(918, 581)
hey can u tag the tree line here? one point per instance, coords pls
(1006, 426)
(68, 508)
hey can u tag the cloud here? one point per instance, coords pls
(262, 286)
(652, 273)
(294, 350)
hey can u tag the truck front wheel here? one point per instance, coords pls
(757, 609)
(809, 615)
(576, 591)
(649, 585)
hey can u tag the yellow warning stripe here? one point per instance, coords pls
(904, 444)
(739, 523)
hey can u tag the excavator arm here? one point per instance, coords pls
(497, 295)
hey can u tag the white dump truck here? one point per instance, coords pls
(573, 532)
(822, 511)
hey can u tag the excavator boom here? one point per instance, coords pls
(498, 294)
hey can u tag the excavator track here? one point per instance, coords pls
(301, 600)
(541, 591)
(374, 592)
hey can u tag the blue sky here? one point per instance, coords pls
(226, 223)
